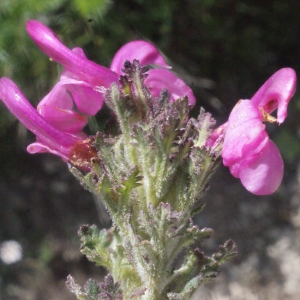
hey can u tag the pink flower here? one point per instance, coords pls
(57, 125)
(97, 77)
(83, 82)
(247, 150)
(142, 51)
(158, 78)
(57, 107)
(55, 140)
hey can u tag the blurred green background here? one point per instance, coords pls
(224, 50)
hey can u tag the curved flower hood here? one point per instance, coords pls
(49, 138)
(247, 150)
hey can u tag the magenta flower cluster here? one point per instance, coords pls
(83, 83)
(247, 149)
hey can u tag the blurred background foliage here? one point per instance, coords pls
(224, 50)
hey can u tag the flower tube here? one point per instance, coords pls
(83, 68)
(49, 138)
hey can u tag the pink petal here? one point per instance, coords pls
(85, 69)
(277, 92)
(58, 97)
(57, 106)
(48, 135)
(65, 120)
(248, 151)
(262, 174)
(244, 134)
(217, 134)
(41, 148)
(88, 101)
(159, 79)
(144, 52)
(69, 74)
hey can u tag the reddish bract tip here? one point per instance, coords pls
(82, 153)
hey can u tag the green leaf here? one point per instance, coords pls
(226, 252)
(92, 288)
(75, 288)
(95, 244)
(189, 288)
